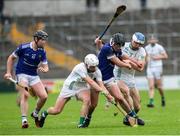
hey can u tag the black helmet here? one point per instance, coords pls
(41, 35)
(118, 39)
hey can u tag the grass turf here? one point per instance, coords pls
(159, 120)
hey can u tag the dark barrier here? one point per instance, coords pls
(6, 86)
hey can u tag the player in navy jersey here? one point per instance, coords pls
(31, 60)
(109, 57)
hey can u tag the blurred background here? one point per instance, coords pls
(72, 26)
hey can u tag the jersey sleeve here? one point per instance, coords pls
(18, 52)
(161, 49)
(44, 58)
(81, 71)
(108, 52)
(142, 54)
(98, 75)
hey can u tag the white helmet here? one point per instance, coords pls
(138, 37)
(91, 60)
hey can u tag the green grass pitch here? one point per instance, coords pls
(159, 120)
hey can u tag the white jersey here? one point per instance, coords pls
(157, 49)
(137, 54)
(75, 80)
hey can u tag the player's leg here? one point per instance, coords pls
(151, 85)
(126, 93)
(58, 107)
(40, 92)
(136, 99)
(116, 93)
(84, 96)
(158, 81)
(93, 105)
(24, 95)
(161, 91)
(134, 92)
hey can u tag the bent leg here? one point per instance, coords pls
(41, 93)
(58, 107)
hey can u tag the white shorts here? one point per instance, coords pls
(66, 92)
(128, 79)
(155, 72)
(130, 82)
(109, 82)
(30, 80)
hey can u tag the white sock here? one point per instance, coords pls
(24, 118)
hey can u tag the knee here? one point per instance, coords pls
(151, 87)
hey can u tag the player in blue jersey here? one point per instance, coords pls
(31, 60)
(109, 57)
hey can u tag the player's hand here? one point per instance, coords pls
(128, 65)
(98, 42)
(41, 69)
(7, 76)
(108, 96)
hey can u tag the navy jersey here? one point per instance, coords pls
(29, 59)
(105, 64)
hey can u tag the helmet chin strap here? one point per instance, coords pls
(36, 41)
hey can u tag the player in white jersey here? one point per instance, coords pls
(135, 53)
(84, 78)
(156, 53)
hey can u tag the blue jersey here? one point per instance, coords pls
(105, 64)
(29, 59)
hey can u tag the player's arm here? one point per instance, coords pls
(10, 62)
(136, 64)
(99, 87)
(161, 56)
(43, 66)
(119, 62)
(98, 43)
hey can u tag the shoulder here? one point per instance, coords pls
(142, 50)
(24, 46)
(106, 46)
(127, 44)
(80, 67)
(159, 46)
(147, 47)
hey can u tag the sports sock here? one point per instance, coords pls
(151, 101)
(81, 120)
(24, 118)
(36, 111)
(132, 113)
(162, 98)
